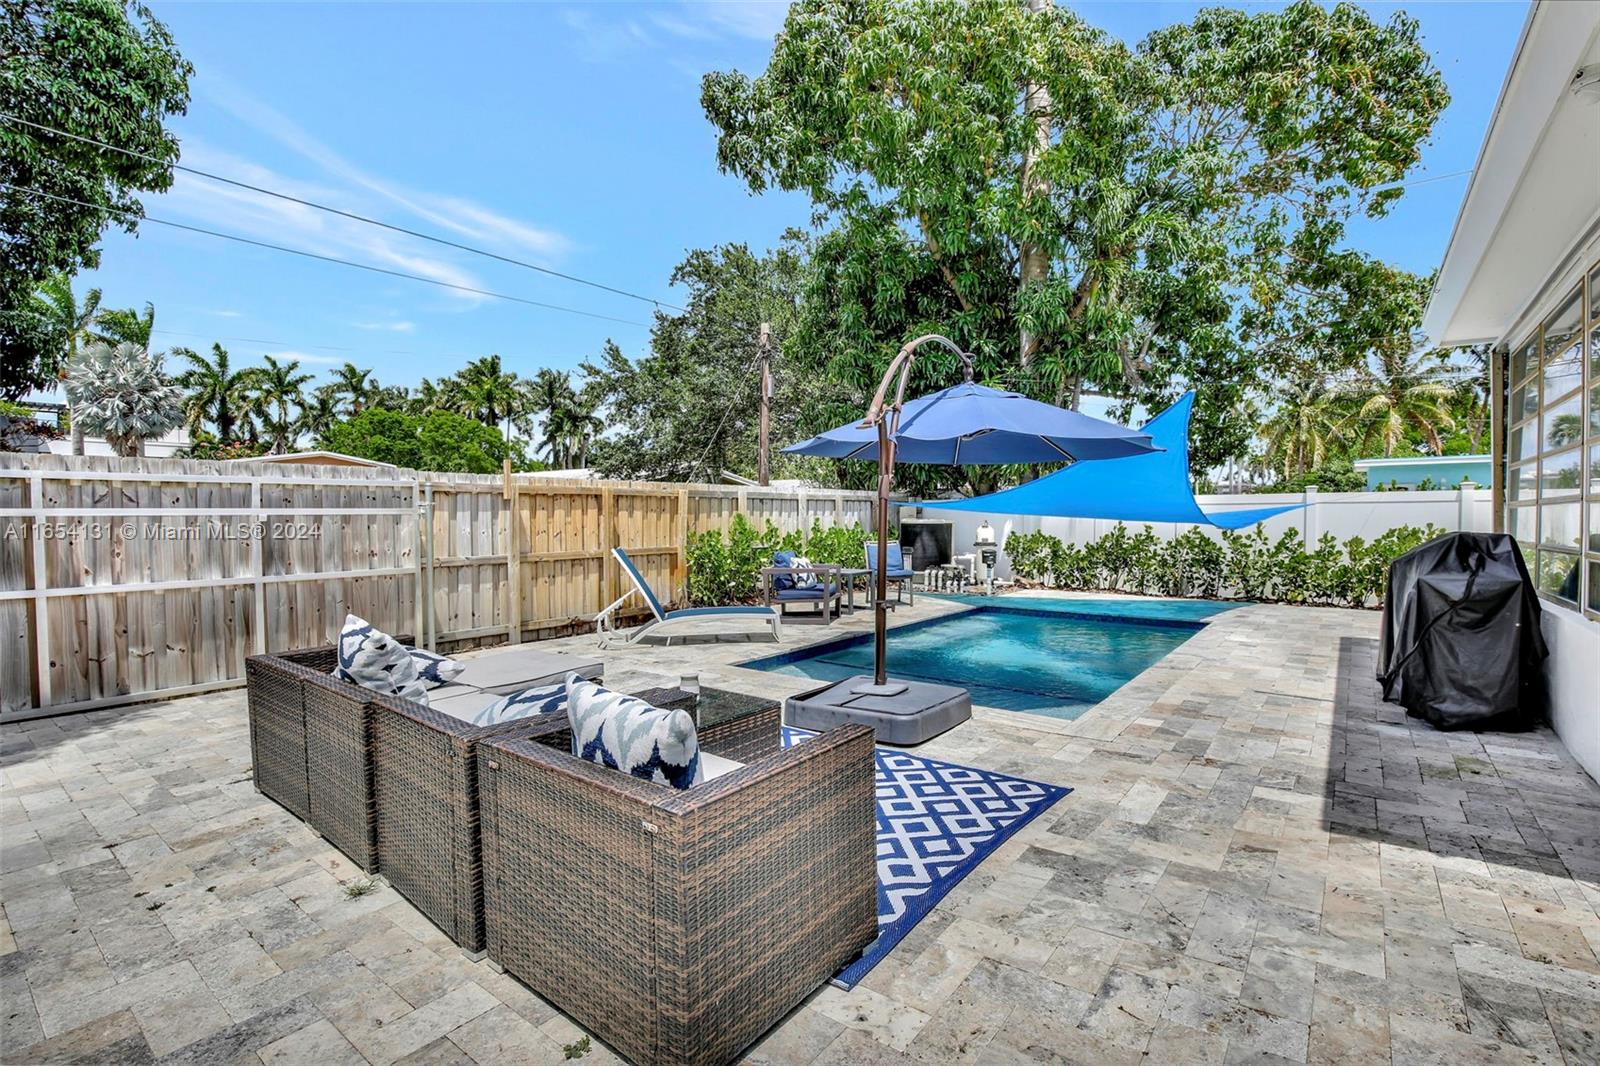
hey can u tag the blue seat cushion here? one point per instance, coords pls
(783, 582)
(712, 612)
(815, 592)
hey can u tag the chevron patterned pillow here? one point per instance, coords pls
(627, 734)
(434, 669)
(373, 659)
(545, 699)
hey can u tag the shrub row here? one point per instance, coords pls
(726, 569)
(1247, 566)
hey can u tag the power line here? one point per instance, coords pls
(342, 213)
(323, 258)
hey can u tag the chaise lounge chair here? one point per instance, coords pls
(605, 623)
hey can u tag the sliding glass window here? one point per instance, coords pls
(1552, 453)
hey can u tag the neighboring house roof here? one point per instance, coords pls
(1402, 462)
(314, 458)
(1533, 202)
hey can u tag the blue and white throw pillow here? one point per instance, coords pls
(627, 734)
(546, 699)
(434, 669)
(807, 579)
(373, 659)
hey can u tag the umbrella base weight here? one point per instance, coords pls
(917, 712)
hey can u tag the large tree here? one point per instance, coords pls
(1079, 213)
(100, 69)
(687, 410)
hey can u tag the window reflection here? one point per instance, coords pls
(1558, 474)
(1522, 520)
(1563, 348)
(1525, 401)
(1561, 424)
(1558, 574)
(1559, 524)
(1524, 359)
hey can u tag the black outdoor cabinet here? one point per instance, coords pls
(1461, 642)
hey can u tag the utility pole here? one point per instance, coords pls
(764, 354)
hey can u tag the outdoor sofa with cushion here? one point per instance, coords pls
(793, 580)
(389, 781)
(679, 924)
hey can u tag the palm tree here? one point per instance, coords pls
(1398, 391)
(488, 392)
(275, 389)
(126, 325)
(354, 384)
(1304, 424)
(56, 302)
(217, 392)
(123, 395)
(319, 412)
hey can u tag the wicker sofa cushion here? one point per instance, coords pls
(626, 733)
(434, 669)
(373, 659)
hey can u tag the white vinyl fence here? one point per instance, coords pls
(1344, 514)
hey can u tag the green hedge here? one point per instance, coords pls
(1247, 566)
(726, 569)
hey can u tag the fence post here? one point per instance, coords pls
(683, 545)
(1310, 527)
(513, 552)
(258, 548)
(1464, 493)
(419, 632)
(41, 600)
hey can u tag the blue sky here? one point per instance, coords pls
(570, 136)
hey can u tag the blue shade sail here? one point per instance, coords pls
(1148, 487)
(974, 425)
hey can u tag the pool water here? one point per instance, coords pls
(1050, 657)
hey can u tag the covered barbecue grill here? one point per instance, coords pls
(1461, 642)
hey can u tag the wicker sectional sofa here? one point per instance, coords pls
(388, 781)
(677, 925)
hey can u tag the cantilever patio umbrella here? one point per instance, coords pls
(966, 424)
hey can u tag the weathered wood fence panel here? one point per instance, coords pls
(123, 579)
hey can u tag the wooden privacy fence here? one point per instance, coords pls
(124, 579)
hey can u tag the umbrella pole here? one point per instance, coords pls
(880, 606)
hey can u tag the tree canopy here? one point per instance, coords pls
(687, 409)
(1079, 213)
(101, 69)
(440, 440)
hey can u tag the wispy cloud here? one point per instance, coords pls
(226, 314)
(386, 327)
(306, 357)
(342, 184)
(603, 36)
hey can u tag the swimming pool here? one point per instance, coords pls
(1043, 656)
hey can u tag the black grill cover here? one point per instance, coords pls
(1461, 641)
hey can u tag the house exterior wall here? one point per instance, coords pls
(1547, 456)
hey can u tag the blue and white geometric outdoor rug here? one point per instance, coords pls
(937, 821)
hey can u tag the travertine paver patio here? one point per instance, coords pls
(1261, 863)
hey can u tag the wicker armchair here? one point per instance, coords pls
(310, 746)
(678, 926)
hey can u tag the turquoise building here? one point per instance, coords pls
(1436, 471)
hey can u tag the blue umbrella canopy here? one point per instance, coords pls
(971, 424)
